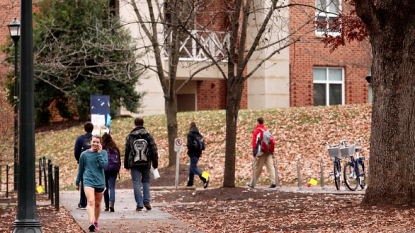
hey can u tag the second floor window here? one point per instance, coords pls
(326, 12)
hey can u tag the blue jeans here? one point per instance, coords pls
(193, 170)
(110, 178)
(82, 201)
(141, 175)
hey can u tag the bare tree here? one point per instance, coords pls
(163, 26)
(250, 29)
(392, 37)
(257, 29)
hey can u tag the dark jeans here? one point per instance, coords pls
(110, 178)
(82, 201)
(193, 170)
(141, 176)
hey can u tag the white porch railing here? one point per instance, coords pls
(216, 43)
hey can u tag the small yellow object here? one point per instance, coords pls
(205, 175)
(39, 189)
(313, 182)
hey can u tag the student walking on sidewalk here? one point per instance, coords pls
(140, 154)
(82, 144)
(260, 157)
(195, 152)
(111, 171)
(91, 169)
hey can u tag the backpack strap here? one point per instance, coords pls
(261, 136)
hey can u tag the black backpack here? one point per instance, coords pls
(87, 143)
(199, 142)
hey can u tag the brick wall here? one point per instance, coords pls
(310, 52)
(211, 95)
(9, 9)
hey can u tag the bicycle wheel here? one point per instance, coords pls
(337, 175)
(362, 178)
(350, 178)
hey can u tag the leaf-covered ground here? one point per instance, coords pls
(51, 220)
(249, 210)
(298, 133)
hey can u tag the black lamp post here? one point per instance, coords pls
(26, 219)
(14, 28)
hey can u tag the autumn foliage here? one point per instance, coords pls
(349, 26)
(298, 133)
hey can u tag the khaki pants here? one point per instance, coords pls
(259, 163)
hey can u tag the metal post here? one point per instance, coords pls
(45, 177)
(50, 178)
(56, 187)
(16, 114)
(299, 173)
(277, 180)
(176, 182)
(253, 174)
(322, 173)
(40, 171)
(27, 217)
(7, 181)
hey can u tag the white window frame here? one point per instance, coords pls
(328, 82)
(327, 16)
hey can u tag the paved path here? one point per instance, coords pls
(125, 218)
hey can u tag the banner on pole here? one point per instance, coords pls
(100, 113)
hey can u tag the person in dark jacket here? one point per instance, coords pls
(79, 148)
(140, 170)
(194, 155)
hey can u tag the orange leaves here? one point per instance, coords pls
(298, 133)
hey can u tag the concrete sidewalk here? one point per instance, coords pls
(125, 218)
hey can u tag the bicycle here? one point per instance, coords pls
(334, 152)
(354, 171)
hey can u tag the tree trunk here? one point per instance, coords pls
(233, 100)
(171, 114)
(392, 157)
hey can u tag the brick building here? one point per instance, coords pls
(304, 74)
(318, 77)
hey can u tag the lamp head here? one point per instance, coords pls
(14, 28)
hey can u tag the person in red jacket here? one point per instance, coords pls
(260, 157)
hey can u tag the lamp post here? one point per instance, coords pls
(14, 28)
(26, 218)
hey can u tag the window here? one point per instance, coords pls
(328, 86)
(331, 10)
